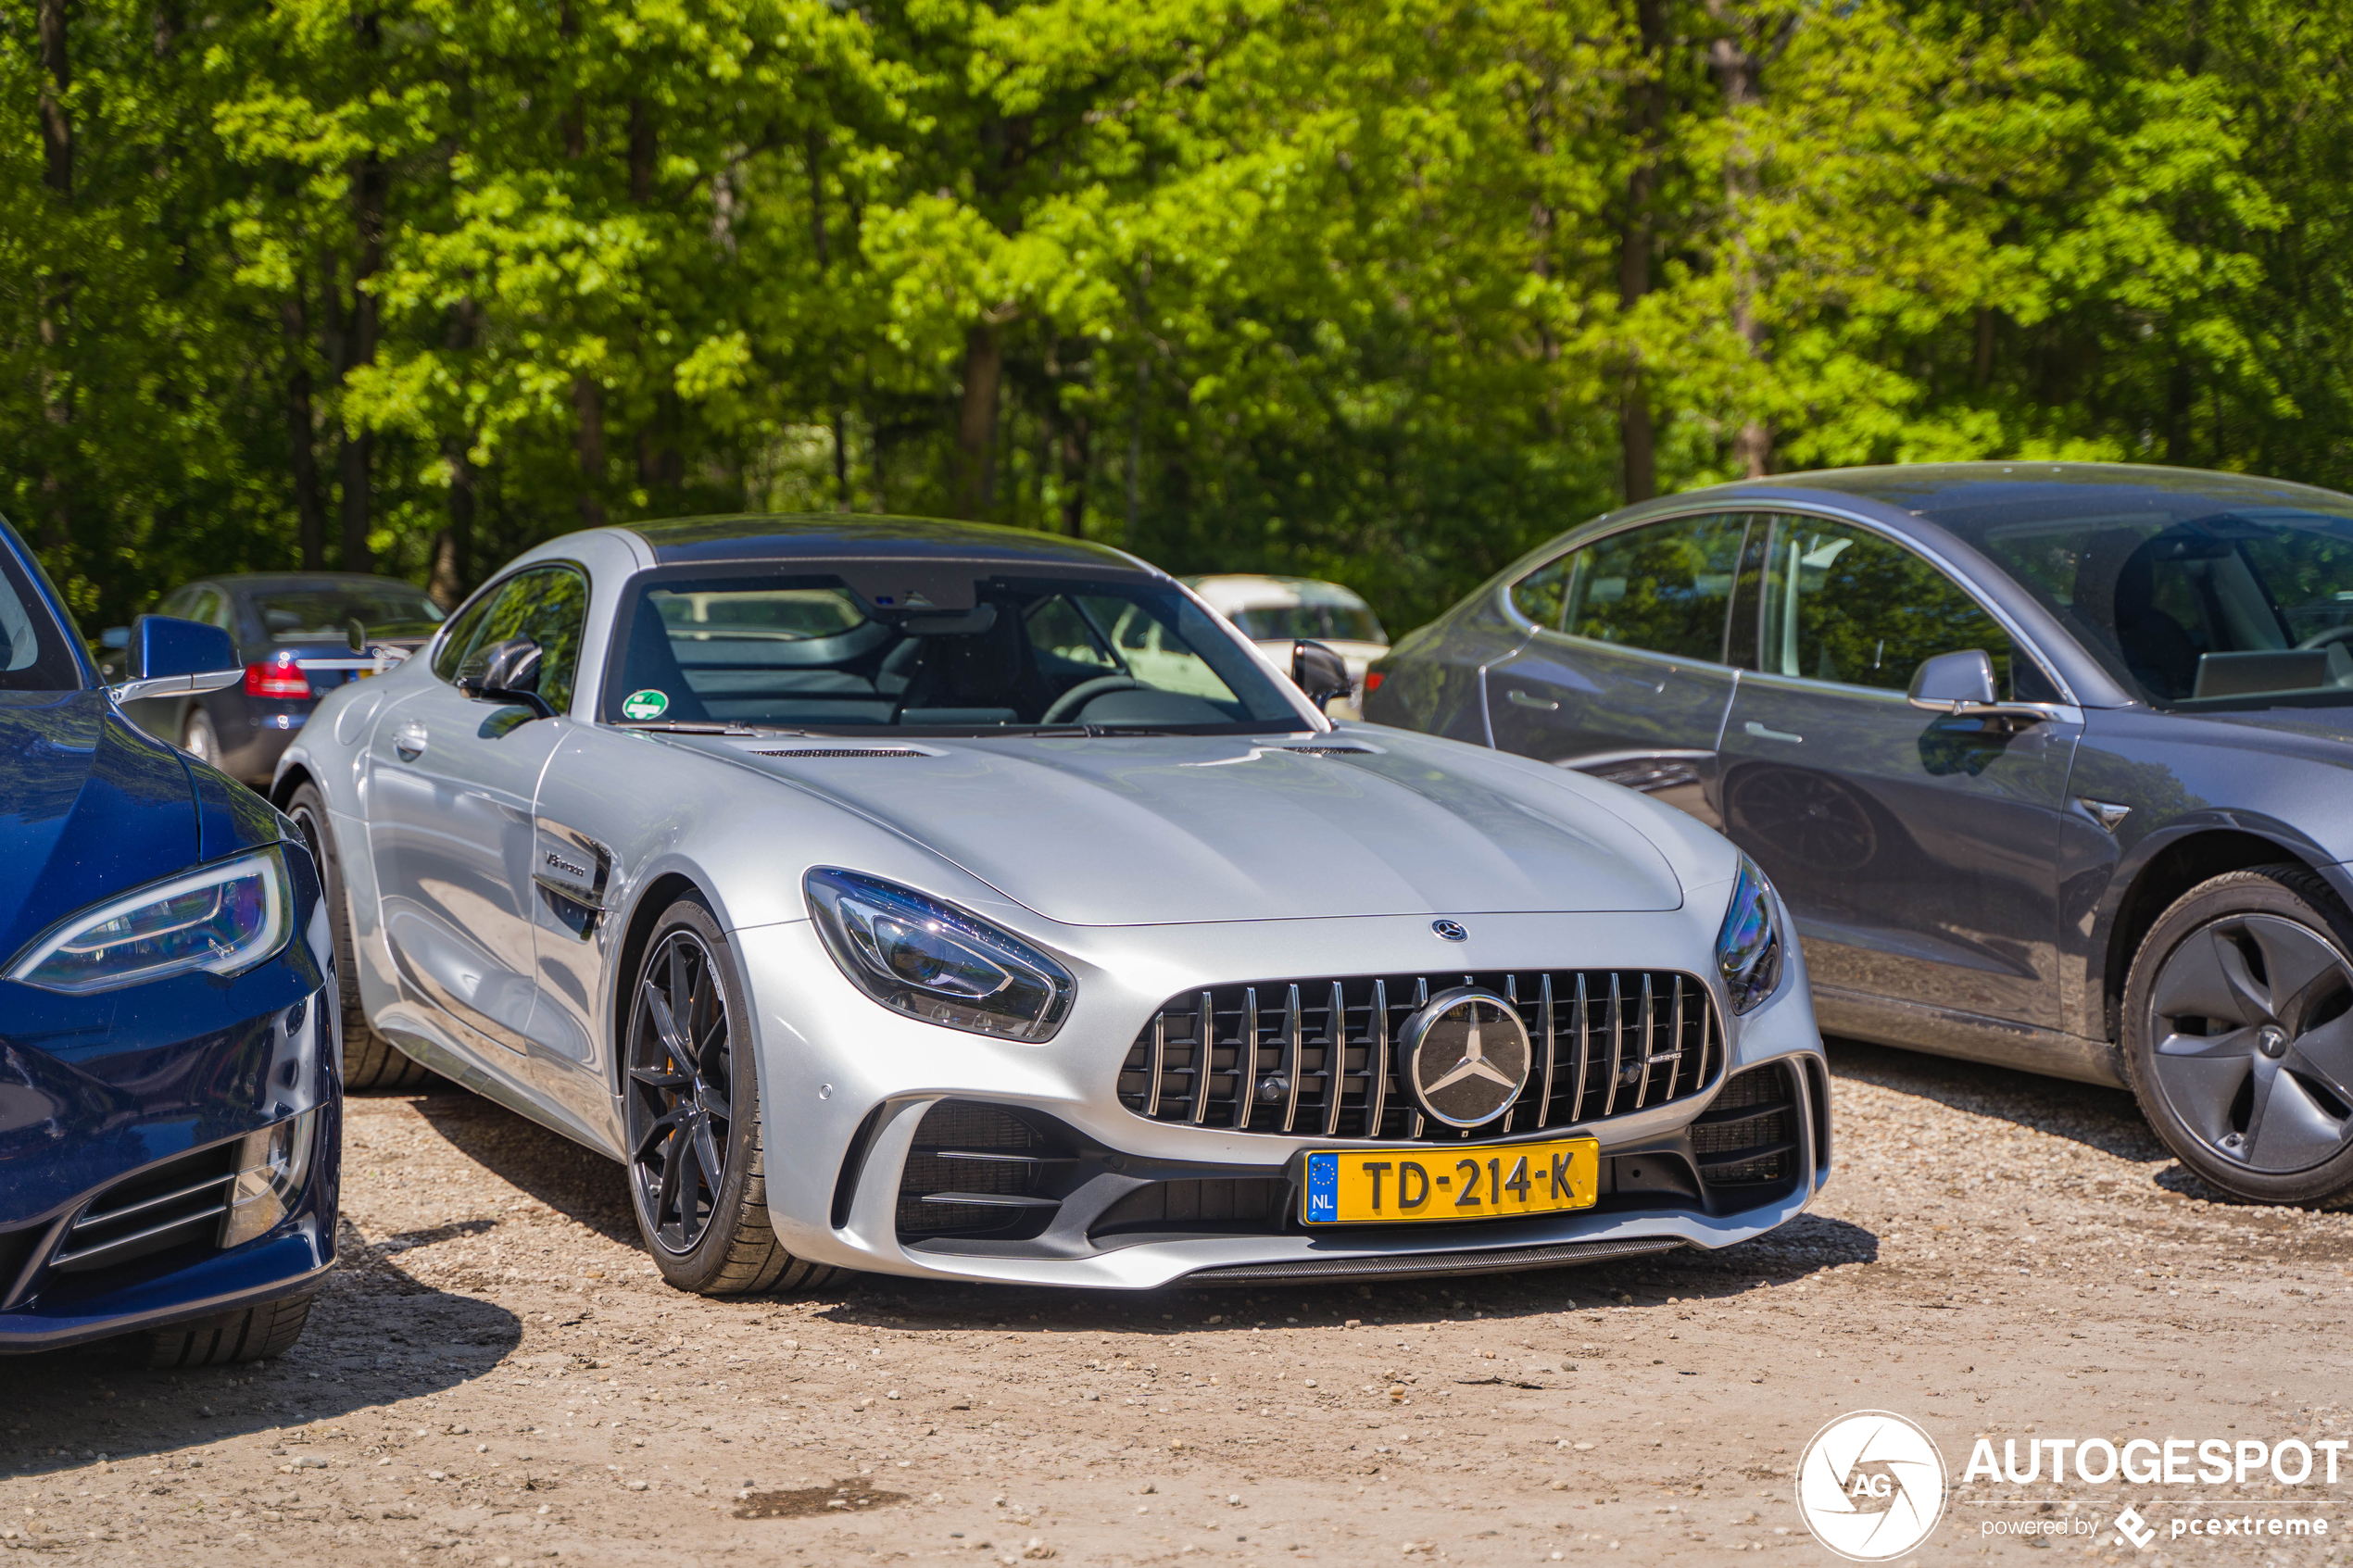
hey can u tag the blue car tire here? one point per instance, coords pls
(250, 1334)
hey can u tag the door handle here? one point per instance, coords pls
(1761, 732)
(409, 741)
(1521, 699)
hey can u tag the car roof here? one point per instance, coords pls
(1245, 589)
(247, 581)
(1969, 499)
(867, 536)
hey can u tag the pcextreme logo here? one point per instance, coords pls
(1871, 1486)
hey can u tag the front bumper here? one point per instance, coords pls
(131, 1103)
(847, 1086)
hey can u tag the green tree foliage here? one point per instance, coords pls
(1384, 293)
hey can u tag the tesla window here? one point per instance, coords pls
(812, 652)
(1665, 587)
(34, 654)
(1843, 604)
(2244, 608)
(1334, 622)
(327, 611)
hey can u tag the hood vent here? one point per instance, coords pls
(848, 751)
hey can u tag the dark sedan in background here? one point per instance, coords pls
(168, 1081)
(299, 635)
(2053, 764)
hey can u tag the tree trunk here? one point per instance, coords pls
(1739, 67)
(355, 463)
(976, 426)
(1077, 458)
(56, 128)
(453, 552)
(589, 402)
(1647, 105)
(641, 153)
(2180, 396)
(302, 452)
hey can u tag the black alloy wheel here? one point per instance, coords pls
(691, 1098)
(2239, 1034)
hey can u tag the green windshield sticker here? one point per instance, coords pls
(645, 704)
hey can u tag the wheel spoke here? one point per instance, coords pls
(2237, 1043)
(673, 1040)
(2205, 977)
(662, 1128)
(690, 1185)
(715, 1103)
(2201, 1090)
(673, 1157)
(2295, 958)
(682, 991)
(654, 1078)
(2326, 1053)
(707, 1153)
(2289, 1131)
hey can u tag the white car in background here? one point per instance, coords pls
(1275, 611)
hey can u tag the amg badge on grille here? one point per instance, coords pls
(1465, 1056)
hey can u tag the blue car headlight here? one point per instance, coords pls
(1748, 948)
(221, 919)
(935, 962)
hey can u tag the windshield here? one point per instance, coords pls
(1326, 622)
(35, 655)
(2245, 608)
(983, 655)
(390, 611)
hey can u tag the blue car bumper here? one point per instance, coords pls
(124, 1122)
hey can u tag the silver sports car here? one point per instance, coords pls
(958, 902)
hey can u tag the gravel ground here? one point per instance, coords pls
(496, 1376)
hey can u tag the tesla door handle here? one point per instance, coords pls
(1542, 705)
(408, 742)
(1761, 732)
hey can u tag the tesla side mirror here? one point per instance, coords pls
(169, 657)
(1318, 671)
(355, 632)
(1962, 685)
(505, 671)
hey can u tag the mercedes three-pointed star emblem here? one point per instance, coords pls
(1465, 1054)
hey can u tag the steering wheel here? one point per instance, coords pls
(1080, 696)
(2324, 638)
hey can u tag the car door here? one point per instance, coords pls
(453, 784)
(1623, 676)
(1916, 851)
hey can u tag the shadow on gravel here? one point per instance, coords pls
(577, 1183)
(2104, 1119)
(375, 1335)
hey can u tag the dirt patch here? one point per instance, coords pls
(496, 1371)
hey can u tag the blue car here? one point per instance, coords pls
(170, 1091)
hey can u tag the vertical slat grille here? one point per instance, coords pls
(1314, 1058)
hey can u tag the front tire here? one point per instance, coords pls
(695, 1161)
(251, 1334)
(370, 1062)
(2238, 1035)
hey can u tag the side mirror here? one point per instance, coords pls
(1318, 671)
(170, 656)
(355, 632)
(1962, 685)
(505, 671)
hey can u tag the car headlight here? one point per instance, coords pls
(272, 1164)
(220, 919)
(1748, 948)
(937, 962)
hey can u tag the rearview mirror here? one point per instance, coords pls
(1318, 671)
(505, 671)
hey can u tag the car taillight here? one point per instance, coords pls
(1373, 678)
(277, 681)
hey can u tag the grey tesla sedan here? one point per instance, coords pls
(2051, 763)
(850, 882)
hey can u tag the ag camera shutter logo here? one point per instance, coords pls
(1871, 1486)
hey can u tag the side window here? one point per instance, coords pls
(1540, 594)
(176, 603)
(550, 605)
(1844, 604)
(1666, 588)
(459, 639)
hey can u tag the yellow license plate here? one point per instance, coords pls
(1364, 1186)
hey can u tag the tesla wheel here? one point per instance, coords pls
(370, 1062)
(198, 739)
(696, 1172)
(2238, 1035)
(254, 1334)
